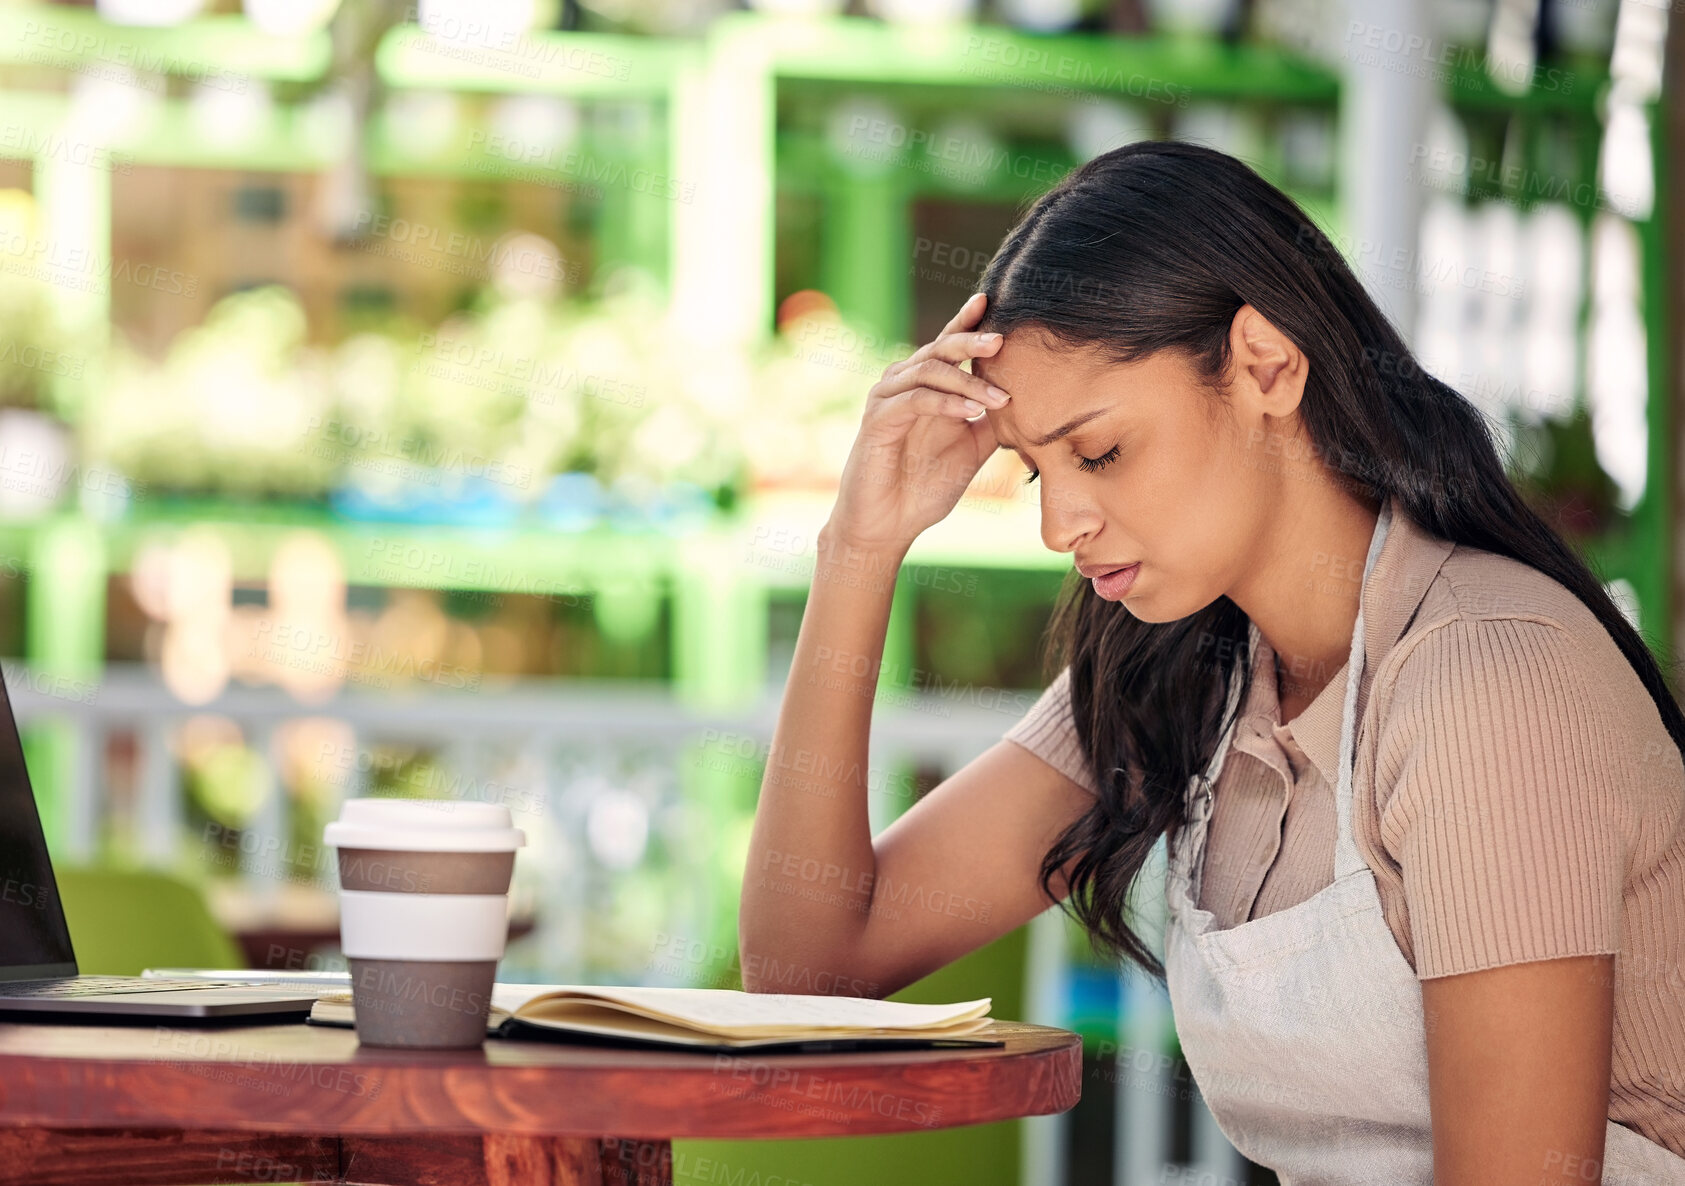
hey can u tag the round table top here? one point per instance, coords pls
(306, 1079)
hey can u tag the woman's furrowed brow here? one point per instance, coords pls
(1069, 426)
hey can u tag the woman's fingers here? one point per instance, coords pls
(943, 376)
(956, 349)
(953, 348)
(901, 426)
(928, 401)
(955, 343)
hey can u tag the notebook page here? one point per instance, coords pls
(731, 1010)
(513, 996)
(579, 1016)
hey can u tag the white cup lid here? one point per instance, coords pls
(424, 825)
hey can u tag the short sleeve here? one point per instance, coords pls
(1048, 731)
(1506, 801)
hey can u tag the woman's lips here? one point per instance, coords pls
(1114, 586)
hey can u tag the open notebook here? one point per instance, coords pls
(713, 1018)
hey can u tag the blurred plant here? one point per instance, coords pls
(678, 417)
(230, 782)
(408, 772)
(239, 404)
(1561, 477)
(518, 388)
(495, 403)
(226, 779)
(30, 343)
(810, 383)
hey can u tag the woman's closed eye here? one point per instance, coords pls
(1088, 464)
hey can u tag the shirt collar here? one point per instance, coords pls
(1256, 732)
(1410, 558)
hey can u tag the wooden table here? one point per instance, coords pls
(141, 1105)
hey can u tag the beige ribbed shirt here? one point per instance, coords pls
(1516, 794)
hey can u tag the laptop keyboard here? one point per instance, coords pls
(87, 986)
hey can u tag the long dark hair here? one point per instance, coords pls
(1155, 246)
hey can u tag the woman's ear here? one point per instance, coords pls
(1270, 368)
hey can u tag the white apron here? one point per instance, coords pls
(1304, 1029)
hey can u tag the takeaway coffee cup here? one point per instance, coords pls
(423, 915)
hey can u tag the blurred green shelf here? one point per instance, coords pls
(1579, 90)
(531, 557)
(211, 48)
(1146, 69)
(223, 50)
(590, 64)
(577, 64)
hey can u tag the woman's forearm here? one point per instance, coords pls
(808, 881)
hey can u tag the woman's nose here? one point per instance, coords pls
(1066, 517)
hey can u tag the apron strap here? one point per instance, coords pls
(1347, 858)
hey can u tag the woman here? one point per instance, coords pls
(1419, 780)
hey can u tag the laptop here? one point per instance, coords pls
(37, 965)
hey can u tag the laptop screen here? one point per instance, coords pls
(34, 940)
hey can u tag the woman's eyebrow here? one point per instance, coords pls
(1069, 426)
